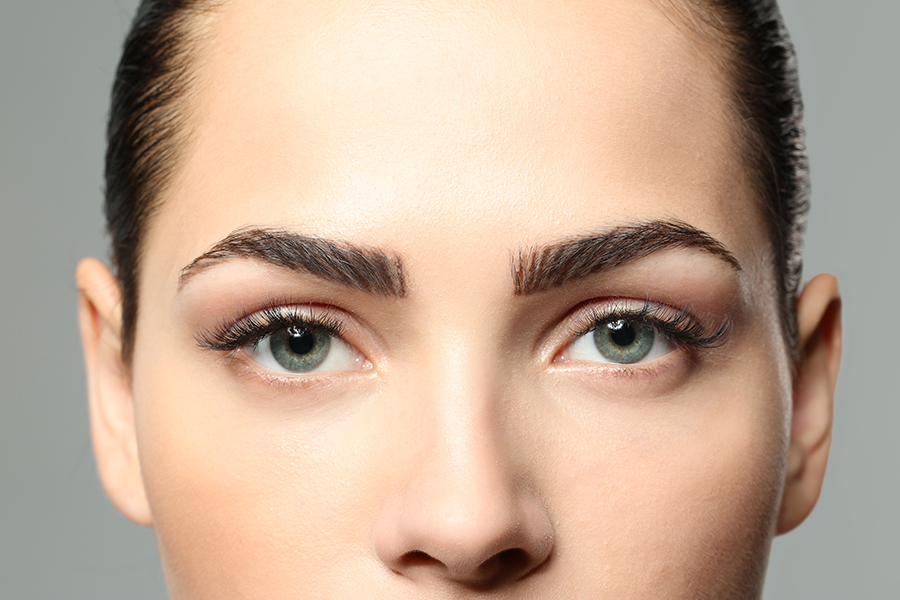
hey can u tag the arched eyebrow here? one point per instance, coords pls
(541, 268)
(371, 270)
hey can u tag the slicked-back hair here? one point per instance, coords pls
(149, 125)
(148, 128)
(767, 106)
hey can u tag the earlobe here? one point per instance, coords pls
(109, 390)
(820, 338)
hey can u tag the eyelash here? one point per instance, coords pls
(678, 326)
(247, 331)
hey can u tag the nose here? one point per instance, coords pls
(465, 511)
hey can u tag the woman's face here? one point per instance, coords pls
(408, 388)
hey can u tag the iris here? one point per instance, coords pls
(624, 341)
(300, 349)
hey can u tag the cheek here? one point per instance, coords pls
(671, 500)
(244, 497)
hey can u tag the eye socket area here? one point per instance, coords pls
(630, 332)
(288, 340)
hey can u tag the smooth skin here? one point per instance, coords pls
(468, 451)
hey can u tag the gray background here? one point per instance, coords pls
(59, 535)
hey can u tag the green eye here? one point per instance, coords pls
(298, 349)
(624, 342)
(288, 340)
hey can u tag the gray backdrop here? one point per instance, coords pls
(59, 535)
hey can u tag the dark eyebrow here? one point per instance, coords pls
(544, 267)
(367, 269)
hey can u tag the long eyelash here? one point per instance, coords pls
(231, 335)
(678, 326)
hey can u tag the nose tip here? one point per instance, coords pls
(462, 504)
(482, 537)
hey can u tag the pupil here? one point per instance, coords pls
(622, 333)
(301, 341)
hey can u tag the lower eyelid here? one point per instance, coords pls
(246, 369)
(621, 378)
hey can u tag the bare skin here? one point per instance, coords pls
(464, 442)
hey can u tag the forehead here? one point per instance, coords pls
(344, 115)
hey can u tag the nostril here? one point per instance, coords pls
(417, 558)
(513, 560)
(508, 564)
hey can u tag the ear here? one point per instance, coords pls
(109, 390)
(820, 338)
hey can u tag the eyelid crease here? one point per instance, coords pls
(233, 334)
(679, 326)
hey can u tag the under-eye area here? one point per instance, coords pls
(622, 332)
(286, 340)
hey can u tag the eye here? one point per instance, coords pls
(620, 341)
(287, 339)
(299, 349)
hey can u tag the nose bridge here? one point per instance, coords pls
(461, 388)
(465, 510)
(462, 450)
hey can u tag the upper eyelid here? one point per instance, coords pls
(590, 315)
(277, 315)
(695, 332)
